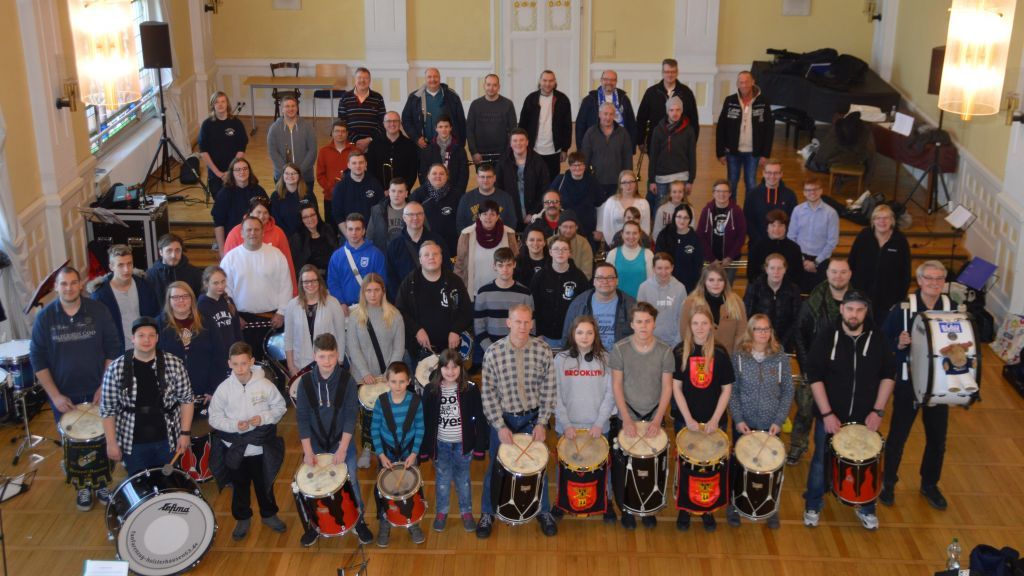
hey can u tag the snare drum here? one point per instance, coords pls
(293, 384)
(702, 471)
(520, 479)
(583, 474)
(401, 489)
(196, 460)
(424, 369)
(757, 477)
(325, 498)
(14, 359)
(161, 524)
(368, 393)
(643, 472)
(85, 449)
(855, 461)
(273, 349)
(936, 337)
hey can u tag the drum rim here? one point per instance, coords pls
(359, 394)
(18, 359)
(344, 479)
(703, 463)
(643, 456)
(120, 488)
(781, 465)
(66, 437)
(543, 467)
(590, 468)
(405, 495)
(199, 558)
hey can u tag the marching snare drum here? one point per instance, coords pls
(401, 489)
(325, 498)
(943, 358)
(520, 479)
(14, 358)
(856, 466)
(293, 384)
(85, 449)
(161, 523)
(702, 471)
(196, 460)
(368, 393)
(644, 475)
(424, 369)
(757, 479)
(582, 474)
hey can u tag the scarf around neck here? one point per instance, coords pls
(489, 238)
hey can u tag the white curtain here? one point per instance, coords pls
(175, 119)
(14, 289)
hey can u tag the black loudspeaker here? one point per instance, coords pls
(156, 45)
(935, 69)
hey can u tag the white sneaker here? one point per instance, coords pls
(364, 458)
(869, 521)
(811, 518)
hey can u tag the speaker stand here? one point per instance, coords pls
(163, 153)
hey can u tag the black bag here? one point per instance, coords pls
(846, 71)
(190, 170)
(988, 561)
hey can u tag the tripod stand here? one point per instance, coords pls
(163, 153)
(934, 175)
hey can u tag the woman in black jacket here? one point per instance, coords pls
(682, 243)
(314, 242)
(880, 262)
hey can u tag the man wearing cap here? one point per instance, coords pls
(851, 372)
(579, 248)
(146, 403)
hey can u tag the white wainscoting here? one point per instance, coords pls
(635, 78)
(188, 117)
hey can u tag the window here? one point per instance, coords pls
(105, 124)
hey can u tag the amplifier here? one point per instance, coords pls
(145, 227)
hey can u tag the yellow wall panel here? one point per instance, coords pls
(20, 149)
(322, 29)
(449, 30)
(631, 32)
(181, 37)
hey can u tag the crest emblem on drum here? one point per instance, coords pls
(700, 372)
(704, 491)
(582, 495)
(86, 459)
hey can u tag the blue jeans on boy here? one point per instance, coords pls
(147, 455)
(451, 464)
(815, 494)
(745, 161)
(524, 423)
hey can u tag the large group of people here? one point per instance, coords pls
(586, 297)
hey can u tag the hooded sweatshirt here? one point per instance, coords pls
(584, 396)
(735, 231)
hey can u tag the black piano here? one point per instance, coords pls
(820, 102)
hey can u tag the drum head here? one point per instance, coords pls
(14, 351)
(856, 443)
(82, 423)
(323, 479)
(523, 456)
(400, 482)
(273, 345)
(759, 451)
(368, 393)
(583, 453)
(641, 446)
(425, 368)
(700, 448)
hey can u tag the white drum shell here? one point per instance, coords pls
(932, 331)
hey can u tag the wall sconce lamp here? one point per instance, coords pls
(871, 11)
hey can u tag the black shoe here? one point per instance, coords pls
(934, 497)
(649, 521)
(795, 453)
(309, 538)
(628, 521)
(483, 529)
(364, 533)
(683, 521)
(547, 524)
(609, 516)
(887, 496)
(732, 516)
(709, 522)
(557, 514)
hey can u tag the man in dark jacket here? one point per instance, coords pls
(771, 194)
(393, 155)
(440, 203)
(744, 132)
(526, 187)
(426, 104)
(403, 253)
(604, 294)
(434, 304)
(173, 266)
(356, 192)
(607, 92)
(125, 292)
(775, 242)
(546, 116)
(652, 106)
(772, 295)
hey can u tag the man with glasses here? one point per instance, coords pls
(607, 93)
(607, 304)
(771, 194)
(550, 217)
(393, 155)
(581, 192)
(652, 106)
(931, 281)
(403, 253)
(815, 227)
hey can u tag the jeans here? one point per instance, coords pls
(522, 423)
(452, 465)
(353, 476)
(815, 495)
(654, 200)
(936, 422)
(746, 162)
(251, 472)
(147, 455)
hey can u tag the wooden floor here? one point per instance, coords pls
(983, 481)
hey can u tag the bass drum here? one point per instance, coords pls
(944, 359)
(160, 524)
(273, 353)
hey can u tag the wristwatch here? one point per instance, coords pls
(880, 412)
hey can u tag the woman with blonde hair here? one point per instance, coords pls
(188, 334)
(612, 214)
(375, 338)
(763, 390)
(880, 262)
(727, 309)
(311, 313)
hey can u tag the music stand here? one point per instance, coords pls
(960, 219)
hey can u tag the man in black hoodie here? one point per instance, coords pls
(434, 304)
(652, 106)
(547, 118)
(173, 266)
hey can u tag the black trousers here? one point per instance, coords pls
(554, 164)
(251, 473)
(936, 422)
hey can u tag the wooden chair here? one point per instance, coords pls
(837, 172)
(282, 94)
(337, 71)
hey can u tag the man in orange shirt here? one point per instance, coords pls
(331, 162)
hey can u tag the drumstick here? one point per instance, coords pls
(401, 476)
(169, 467)
(521, 454)
(763, 444)
(83, 413)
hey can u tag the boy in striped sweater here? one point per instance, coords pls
(493, 301)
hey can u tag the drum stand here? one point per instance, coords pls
(359, 564)
(28, 439)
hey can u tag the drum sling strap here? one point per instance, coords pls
(128, 377)
(323, 436)
(376, 345)
(404, 444)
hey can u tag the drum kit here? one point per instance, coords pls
(520, 479)
(20, 392)
(582, 474)
(325, 498)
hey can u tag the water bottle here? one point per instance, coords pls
(953, 555)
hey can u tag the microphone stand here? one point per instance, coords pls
(163, 152)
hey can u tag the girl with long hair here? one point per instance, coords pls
(728, 312)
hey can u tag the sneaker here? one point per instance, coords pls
(364, 533)
(649, 521)
(795, 453)
(275, 524)
(773, 521)
(483, 529)
(241, 529)
(364, 459)
(787, 426)
(468, 524)
(83, 501)
(609, 516)
(309, 538)
(732, 516)
(709, 522)
(557, 514)
(869, 521)
(417, 535)
(548, 527)
(934, 497)
(439, 521)
(103, 494)
(811, 518)
(887, 496)
(628, 521)
(383, 535)
(683, 521)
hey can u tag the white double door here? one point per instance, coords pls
(540, 35)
